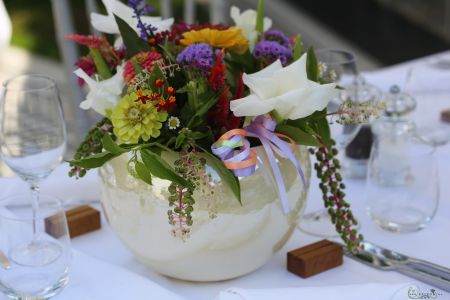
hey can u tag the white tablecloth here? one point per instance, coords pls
(432, 243)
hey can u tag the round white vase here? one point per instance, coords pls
(239, 240)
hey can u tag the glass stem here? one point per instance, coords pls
(35, 209)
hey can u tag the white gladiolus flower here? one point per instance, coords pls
(247, 23)
(287, 90)
(107, 23)
(103, 95)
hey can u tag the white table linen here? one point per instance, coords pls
(367, 291)
(93, 279)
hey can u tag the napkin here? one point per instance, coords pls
(92, 279)
(370, 291)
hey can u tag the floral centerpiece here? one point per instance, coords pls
(180, 98)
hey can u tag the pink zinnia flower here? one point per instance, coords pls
(144, 59)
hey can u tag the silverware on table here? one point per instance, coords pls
(388, 260)
(5, 263)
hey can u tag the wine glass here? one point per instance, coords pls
(25, 277)
(338, 66)
(32, 144)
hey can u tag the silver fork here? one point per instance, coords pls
(388, 260)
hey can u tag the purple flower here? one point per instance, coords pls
(141, 8)
(277, 36)
(270, 51)
(197, 57)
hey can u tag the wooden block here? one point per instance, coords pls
(314, 258)
(80, 220)
(445, 116)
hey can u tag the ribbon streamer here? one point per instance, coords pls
(242, 162)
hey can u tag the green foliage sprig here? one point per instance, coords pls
(91, 145)
(191, 166)
(327, 168)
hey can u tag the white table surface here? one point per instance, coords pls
(431, 243)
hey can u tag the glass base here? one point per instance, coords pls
(318, 223)
(36, 254)
(403, 220)
(42, 295)
(31, 275)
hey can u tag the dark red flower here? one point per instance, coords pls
(91, 41)
(221, 117)
(87, 65)
(142, 97)
(216, 77)
(239, 92)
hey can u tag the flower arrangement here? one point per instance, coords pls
(214, 90)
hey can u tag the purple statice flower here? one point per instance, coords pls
(141, 8)
(269, 51)
(277, 36)
(197, 57)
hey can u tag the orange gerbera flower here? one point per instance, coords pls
(231, 38)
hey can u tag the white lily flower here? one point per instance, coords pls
(103, 95)
(287, 90)
(247, 23)
(107, 23)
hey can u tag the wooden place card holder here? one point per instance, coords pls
(445, 115)
(314, 258)
(80, 220)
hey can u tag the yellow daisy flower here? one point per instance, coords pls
(231, 38)
(132, 119)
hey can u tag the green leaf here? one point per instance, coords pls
(227, 176)
(260, 17)
(160, 168)
(137, 68)
(237, 63)
(299, 136)
(111, 146)
(312, 68)
(183, 89)
(322, 129)
(94, 161)
(197, 135)
(297, 47)
(133, 43)
(179, 140)
(100, 64)
(143, 172)
(315, 125)
(204, 108)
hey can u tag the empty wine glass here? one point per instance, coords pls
(24, 276)
(32, 144)
(338, 66)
